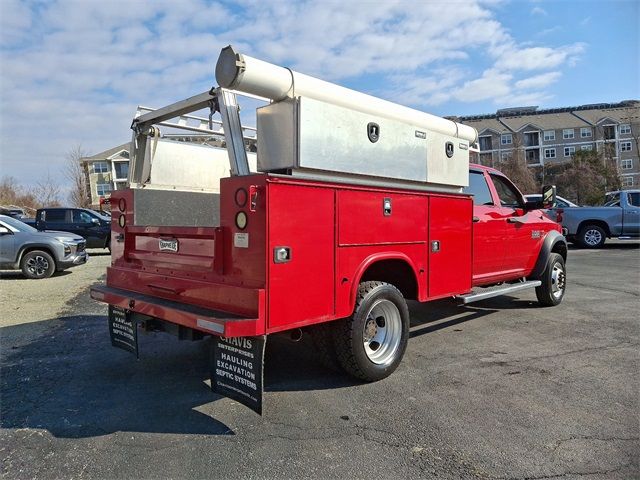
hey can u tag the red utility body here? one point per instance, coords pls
(226, 280)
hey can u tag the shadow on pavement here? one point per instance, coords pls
(73, 383)
(69, 380)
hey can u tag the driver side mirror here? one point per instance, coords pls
(95, 221)
(548, 196)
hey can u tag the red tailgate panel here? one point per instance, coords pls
(300, 291)
(450, 225)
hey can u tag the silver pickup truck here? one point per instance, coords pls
(589, 227)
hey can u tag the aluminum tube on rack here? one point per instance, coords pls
(247, 74)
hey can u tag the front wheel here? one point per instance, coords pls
(554, 282)
(37, 264)
(592, 236)
(371, 343)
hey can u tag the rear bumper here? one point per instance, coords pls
(214, 322)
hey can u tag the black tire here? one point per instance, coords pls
(322, 337)
(37, 264)
(554, 282)
(380, 318)
(591, 236)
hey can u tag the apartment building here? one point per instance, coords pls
(552, 136)
(106, 171)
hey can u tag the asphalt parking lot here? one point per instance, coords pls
(502, 389)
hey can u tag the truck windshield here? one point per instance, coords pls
(16, 225)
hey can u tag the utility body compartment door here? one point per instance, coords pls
(450, 245)
(301, 288)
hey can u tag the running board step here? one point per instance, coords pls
(490, 292)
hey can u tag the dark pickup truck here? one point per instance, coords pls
(92, 226)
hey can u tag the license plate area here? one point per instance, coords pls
(123, 330)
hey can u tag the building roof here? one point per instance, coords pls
(516, 118)
(548, 121)
(483, 124)
(107, 153)
(629, 114)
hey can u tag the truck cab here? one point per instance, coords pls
(92, 226)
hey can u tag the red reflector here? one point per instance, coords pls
(241, 197)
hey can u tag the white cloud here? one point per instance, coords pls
(539, 11)
(538, 58)
(538, 81)
(74, 71)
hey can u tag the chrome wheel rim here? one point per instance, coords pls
(558, 280)
(38, 265)
(592, 237)
(382, 332)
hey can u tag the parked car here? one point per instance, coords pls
(38, 254)
(560, 202)
(590, 226)
(94, 227)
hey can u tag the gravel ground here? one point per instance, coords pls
(23, 300)
(502, 389)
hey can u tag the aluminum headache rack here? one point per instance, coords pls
(236, 137)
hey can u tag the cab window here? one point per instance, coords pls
(479, 189)
(81, 217)
(55, 216)
(507, 192)
(634, 199)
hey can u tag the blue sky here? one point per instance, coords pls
(73, 72)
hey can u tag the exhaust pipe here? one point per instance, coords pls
(296, 335)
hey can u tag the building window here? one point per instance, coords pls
(626, 164)
(568, 151)
(627, 181)
(532, 139)
(585, 132)
(532, 156)
(504, 156)
(122, 170)
(485, 143)
(609, 132)
(103, 189)
(506, 139)
(586, 147)
(625, 146)
(549, 153)
(100, 167)
(625, 129)
(549, 135)
(568, 133)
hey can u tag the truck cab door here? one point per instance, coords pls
(522, 230)
(85, 226)
(631, 214)
(489, 230)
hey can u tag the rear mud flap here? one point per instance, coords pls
(123, 330)
(236, 366)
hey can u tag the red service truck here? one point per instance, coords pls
(359, 205)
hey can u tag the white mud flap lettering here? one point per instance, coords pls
(123, 330)
(236, 366)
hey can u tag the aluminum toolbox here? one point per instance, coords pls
(310, 135)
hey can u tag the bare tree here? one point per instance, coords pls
(77, 177)
(47, 192)
(514, 166)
